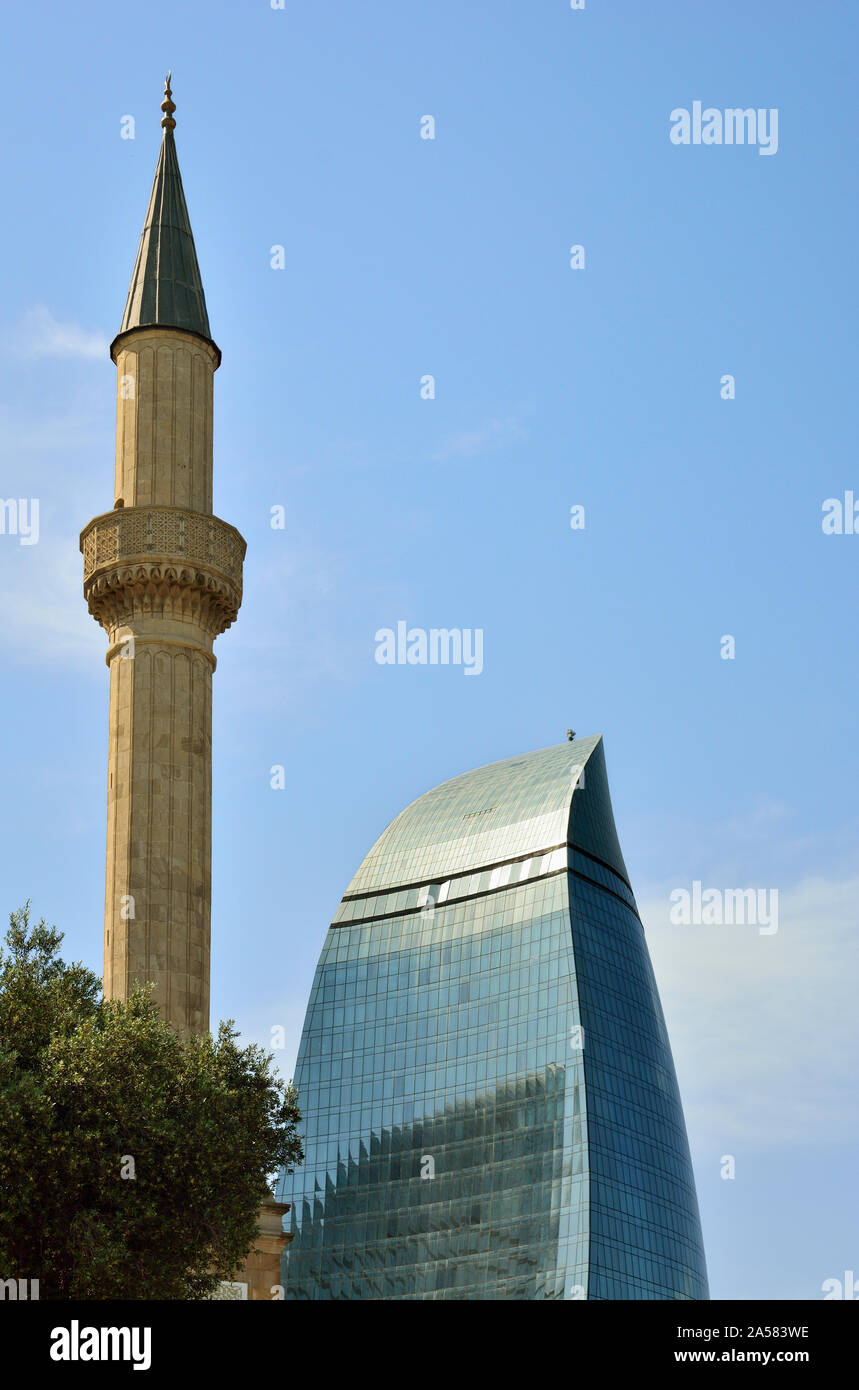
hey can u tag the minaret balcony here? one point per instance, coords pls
(147, 559)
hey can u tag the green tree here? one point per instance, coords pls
(132, 1161)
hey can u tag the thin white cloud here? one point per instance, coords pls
(763, 1028)
(39, 334)
(471, 443)
(43, 617)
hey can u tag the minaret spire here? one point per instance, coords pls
(166, 287)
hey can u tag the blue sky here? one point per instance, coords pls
(554, 387)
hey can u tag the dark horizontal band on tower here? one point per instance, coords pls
(483, 868)
(499, 888)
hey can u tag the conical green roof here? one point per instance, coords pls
(166, 289)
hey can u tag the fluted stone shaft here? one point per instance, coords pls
(163, 576)
(158, 881)
(164, 420)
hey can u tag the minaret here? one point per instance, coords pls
(163, 577)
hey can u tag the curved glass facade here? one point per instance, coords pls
(489, 1100)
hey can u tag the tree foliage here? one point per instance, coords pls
(132, 1160)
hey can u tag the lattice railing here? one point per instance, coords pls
(131, 533)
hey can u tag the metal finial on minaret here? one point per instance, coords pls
(168, 106)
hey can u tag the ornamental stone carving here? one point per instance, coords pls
(163, 561)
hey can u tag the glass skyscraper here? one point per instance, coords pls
(490, 1104)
